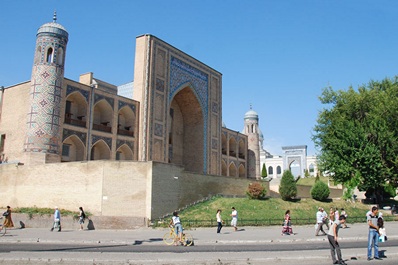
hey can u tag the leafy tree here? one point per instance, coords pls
(288, 186)
(357, 135)
(256, 191)
(320, 191)
(264, 172)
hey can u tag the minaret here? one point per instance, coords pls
(251, 129)
(43, 136)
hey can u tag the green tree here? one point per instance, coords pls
(320, 191)
(264, 172)
(288, 186)
(357, 135)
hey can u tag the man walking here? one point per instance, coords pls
(333, 243)
(373, 236)
(319, 221)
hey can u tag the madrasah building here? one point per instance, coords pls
(136, 151)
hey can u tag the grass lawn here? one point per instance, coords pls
(310, 181)
(269, 211)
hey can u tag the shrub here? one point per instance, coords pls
(320, 191)
(288, 187)
(256, 191)
(264, 172)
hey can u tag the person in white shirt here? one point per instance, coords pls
(319, 221)
(176, 222)
(234, 220)
(219, 221)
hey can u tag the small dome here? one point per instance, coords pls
(223, 125)
(53, 28)
(251, 114)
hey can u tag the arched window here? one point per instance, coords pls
(278, 170)
(50, 55)
(270, 171)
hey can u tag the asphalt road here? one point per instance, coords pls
(128, 248)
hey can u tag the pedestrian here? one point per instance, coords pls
(336, 214)
(382, 230)
(373, 236)
(82, 217)
(333, 234)
(325, 218)
(287, 225)
(319, 222)
(219, 221)
(57, 220)
(331, 215)
(176, 222)
(8, 220)
(343, 212)
(234, 221)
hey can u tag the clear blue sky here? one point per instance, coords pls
(276, 55)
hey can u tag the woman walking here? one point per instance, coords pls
(287, 225)
(82, 216)
(8, 220)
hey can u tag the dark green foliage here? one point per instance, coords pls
(357, 135)
(256, 191)
(264, 172)
(320, 191)
(288, 187)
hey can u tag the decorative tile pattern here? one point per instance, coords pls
(70, 89)
(122, 104)
(159, 85)
(214, 143)
(158, 129)
(98, 97)
(130, 144)
(214, 107)
(96, 138)
(81, 135)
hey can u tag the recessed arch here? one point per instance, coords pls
(100, 151)
(50, 55)
(232, 146)
(224, 169)
(76, 109)
(242, 171)
(295, 168)
(103, 116)
(73, 149)
(126, 121)
(241, 149)
(232, 169)
(224, 146)
(186, 131)
(124, 153)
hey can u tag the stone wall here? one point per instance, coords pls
(105, 188)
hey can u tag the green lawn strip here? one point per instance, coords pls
(269, 211)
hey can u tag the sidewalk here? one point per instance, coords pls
(202, 236)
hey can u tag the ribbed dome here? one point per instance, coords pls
(53, 28)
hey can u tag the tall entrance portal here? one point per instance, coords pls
(186, 129)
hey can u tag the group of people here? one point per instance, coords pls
(322, 218)
(8, 223)
(57, 219)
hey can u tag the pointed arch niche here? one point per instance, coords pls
(186, 131)
(73, 149)
(124, 153)
(100, 151)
